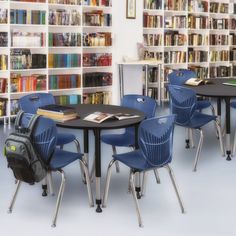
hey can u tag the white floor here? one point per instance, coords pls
(209, 196)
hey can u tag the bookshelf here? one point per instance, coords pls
(58, 46)
(198, 35)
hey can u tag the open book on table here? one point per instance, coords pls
(99, 117)
(196, 81)
(230, 82)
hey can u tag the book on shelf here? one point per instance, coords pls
(197, 81)
(230, 82)
(99, 117)
(3, 106)
(3, 85)
(3, 39)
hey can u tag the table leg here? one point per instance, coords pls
(98, 169)
(219, 109)
(227, 123)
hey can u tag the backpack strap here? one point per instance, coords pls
(32, 123)
(18, 119)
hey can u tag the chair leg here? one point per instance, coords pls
(14, 196)
(129, 188)
(86, 172)
(108, 179)
(187, 139)
(135, 199)
(214, 114)
(199, 148)
(77, 144)
(116, 163)
(144, 183)
(175, 187)
(138, 184)
(50, 183)
(158, 180)
(59, 198)
(217, 124)
(234, 145)
(44, 187)
(191, 138)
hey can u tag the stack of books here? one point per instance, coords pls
(57, 112)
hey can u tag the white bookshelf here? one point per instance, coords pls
(82, 7)
(190, 9)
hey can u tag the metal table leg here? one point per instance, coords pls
(227, 122)
(98, 169)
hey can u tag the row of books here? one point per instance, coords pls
(152, 92)
(152, 21)
(232, 54)
(97, 59)
(175, 22)
(64, 17)
(3, 39)
(67, 2)
(97, 18)
(27, 39)
(97, 98)
(41, 1)
(106, 3)
(232, 39)
(198, 6)
(23, 59)
(68, 99)
(219, 39)
(174, 38)
(197, 22)
(197, 55)
(3, 16)
(27, 17)
(152, 39)
(153, 74)
(198, 39)
(3, 85)
(220, 71)
(65, 81)
(216, 56)
(152, 55)
(201, 72)
(175, 57)
(176, 5)
(97, 39)
(218, 23)
(3, 107)
(64, 60)
(219, 7)
(152, 4)
(64, 39)
(97, 79)
(3, 62)
(29, 83)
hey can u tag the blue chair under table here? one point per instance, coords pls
(155, 151)
(183, 103)
(45, 139)
(179, 77)
(127, 138)
(30, 104)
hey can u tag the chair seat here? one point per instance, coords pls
(134, 160)
(122, 140)
(233, 104)
(63, 158)
(198, 120)
(64, 138)
(202, 104)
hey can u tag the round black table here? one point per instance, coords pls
(222, 92)
(86, 109)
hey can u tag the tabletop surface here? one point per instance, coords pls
(86, 109)
(216, 89)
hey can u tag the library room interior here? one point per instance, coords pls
(117, 116)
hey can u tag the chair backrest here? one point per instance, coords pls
(156, 140)
(179, 77)
(182, 103)
(142, 103)
(30, 103)
(44, 135)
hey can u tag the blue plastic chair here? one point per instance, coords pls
(30, 104)
(45, 139)
(155, 151)
(183, 104)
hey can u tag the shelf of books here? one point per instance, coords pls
(198, 35)
(58, 46)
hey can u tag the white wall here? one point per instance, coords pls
(127, 32)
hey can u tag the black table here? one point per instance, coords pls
(84, 110)
(222, 92)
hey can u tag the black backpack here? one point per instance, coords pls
(22, 156)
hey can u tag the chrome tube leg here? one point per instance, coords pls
(85, 169)
(92, 172)
(135, 199)
(199, 148)
(44, 187)
(191, 138)
(14, 196)
(144, 183)
(175, 187)
(138, 184)
(158, 180)
(108, 179)
(129, 188)
(77, 144)
(220, 137)
(234, 145)
(116, 163)
(50, 182)
(187, 139)
(59, 197)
